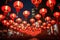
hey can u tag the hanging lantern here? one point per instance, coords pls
(56, 14)
(33, 25)
(11, 26)
(43, 11)
(28, 25)
(15, 24)
(39, 21)
(6, 9)
(32, 20)
(37, 16)
(44, 25)
(36, 2)
(11, 21)
(48, 25)
(4, 22)
(24, 22)
(1, 17)
(47, 18)
(7, 24)
(18, 5)
(53, 22)
(18, 20)
(26, 13)
(51, 4)
(12, 16)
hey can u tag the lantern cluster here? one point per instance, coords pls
(35, 24)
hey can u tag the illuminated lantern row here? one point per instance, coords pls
(51, 4)
(36, 2)
(6, 9)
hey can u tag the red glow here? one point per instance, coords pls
(47, 18)
(12, 16)
(6, 9)
(36, 2)
(56, 14)
(18, 20)
(51, 4)
(18, 5)
(32, 20)
(38, 16)
(26, 13)
(43, 11)
(1, 17)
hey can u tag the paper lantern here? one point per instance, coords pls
(18, 5)
(12, 16)
(43, 11)
(26, 13)
(37, 16)
(4, 22)
(51, 4)
(6, 9)
(1, 17)
(32, 20)
(56, 14)
(47, 18)
(18, 20)
(53, 22)
(36, 2)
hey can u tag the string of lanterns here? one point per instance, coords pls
(23, 26)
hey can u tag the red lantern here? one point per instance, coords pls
(47, 18)
(11, 26)
(51, 4)
(11, 21)
(18, 20)
(1, 17)
(39, 21)
(4, 22)
(28, 25)
(32, 20)
(15, 24)
(7, 24)
(38, 16)
(56, 14)
(44, 24)
(43, 11)
(12, 16)
(36, 2)
(18, 5)
(48, 25)
(6, 9)
(53, 22)
(24, 22)
(33, 25)
(26, 13)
